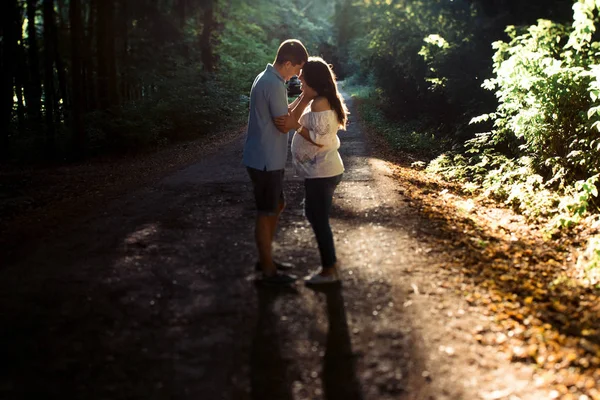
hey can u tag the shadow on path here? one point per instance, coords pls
(340, 381)
(268, 368)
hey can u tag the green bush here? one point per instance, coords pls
(542, 154)
(542, 89)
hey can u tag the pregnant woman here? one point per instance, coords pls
(316, 158)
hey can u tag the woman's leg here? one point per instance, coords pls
(317, 203)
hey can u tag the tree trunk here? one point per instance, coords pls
(20, 104)
(182, 16)
(21, 71)
(205, 39)
(182, 11)
(49, 75)
(8, 18)
(33, 94)
(90, 98)
(63, 15)
(110, 54)
(125, 77)
(101, 45)
(78, 129)
(60, 69)
(107, 82)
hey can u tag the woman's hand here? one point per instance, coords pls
(304, 133)
(308, 92)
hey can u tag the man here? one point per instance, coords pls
(265, 152)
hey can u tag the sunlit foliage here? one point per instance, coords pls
(544, 133)
(423, 56)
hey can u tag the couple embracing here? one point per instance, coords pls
(315, 116)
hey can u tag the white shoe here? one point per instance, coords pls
(318, 279)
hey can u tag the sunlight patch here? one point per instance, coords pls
(380, 165)
(141, 235)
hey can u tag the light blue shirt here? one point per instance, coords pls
(266, 147)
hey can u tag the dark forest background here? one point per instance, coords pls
(82, 77)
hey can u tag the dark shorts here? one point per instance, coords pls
(268, 190)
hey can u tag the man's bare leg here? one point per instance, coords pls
(280, 208)
(266, 226)
(263, 235)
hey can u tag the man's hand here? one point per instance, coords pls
(285, 123)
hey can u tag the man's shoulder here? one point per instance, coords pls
(268, 79)
(267, 84)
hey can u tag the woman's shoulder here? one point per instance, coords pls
(320, 104)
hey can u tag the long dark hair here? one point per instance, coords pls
(319, 76)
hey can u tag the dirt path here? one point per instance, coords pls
(152, 298)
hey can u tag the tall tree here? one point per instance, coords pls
(208, 22)
(48, 13)
(103, 29)
(60, 25)
(345, 26)
(8, 45)
(110, 53)
(124, 67)
(33, 92)
(21, 68)
(181, 9)
(78, 130)
(90, 97)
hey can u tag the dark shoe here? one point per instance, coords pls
(278, 279)
(281, 266)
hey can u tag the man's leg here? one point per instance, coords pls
(264, 233)
(270, 202)
(275, 221)
(266, 226)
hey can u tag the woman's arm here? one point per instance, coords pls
(299, 108)
(294, 103)
(319, 104)
(304, 132)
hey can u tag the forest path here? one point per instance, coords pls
(153, 298)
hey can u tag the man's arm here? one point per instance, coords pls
(278, 102)
(286, 123)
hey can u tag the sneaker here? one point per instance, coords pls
(318, 279)
(278, 279)
(281, 266)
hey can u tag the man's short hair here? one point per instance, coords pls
(291, 50)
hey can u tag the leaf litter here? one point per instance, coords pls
(525, 282)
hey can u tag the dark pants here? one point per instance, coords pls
(317, 204)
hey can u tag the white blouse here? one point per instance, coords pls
(312, 161)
